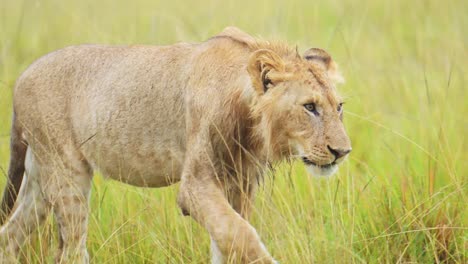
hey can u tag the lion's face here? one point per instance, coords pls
(301, 110)
(314, 125)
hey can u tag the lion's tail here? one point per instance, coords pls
(18, 149)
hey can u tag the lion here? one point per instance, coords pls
(213, 116)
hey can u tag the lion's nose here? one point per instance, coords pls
(338, 153)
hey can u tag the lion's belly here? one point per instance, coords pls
(143, 171)
(137, 165)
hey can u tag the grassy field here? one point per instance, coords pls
(400, 198)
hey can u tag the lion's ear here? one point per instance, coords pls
(264, 68)
(323, 59)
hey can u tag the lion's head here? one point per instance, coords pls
(299, 109)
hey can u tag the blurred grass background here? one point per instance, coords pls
(400, 198)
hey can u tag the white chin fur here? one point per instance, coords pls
(321, 172)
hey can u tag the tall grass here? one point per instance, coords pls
(400, 198)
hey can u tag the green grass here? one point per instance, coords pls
(400, 198)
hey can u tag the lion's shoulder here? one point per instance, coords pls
(239, 37)
(236, 35)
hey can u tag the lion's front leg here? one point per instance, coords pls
(241, 199)
(233, 237)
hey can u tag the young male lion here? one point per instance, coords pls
(211, 115)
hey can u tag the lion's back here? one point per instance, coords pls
(79, 90)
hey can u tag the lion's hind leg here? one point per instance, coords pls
(67, 189)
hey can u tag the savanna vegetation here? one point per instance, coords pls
(401, 197)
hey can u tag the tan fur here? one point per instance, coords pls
(211, 115)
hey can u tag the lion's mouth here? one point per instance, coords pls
(324, 166)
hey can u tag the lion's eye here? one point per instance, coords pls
(311, 108)
(340, 107)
